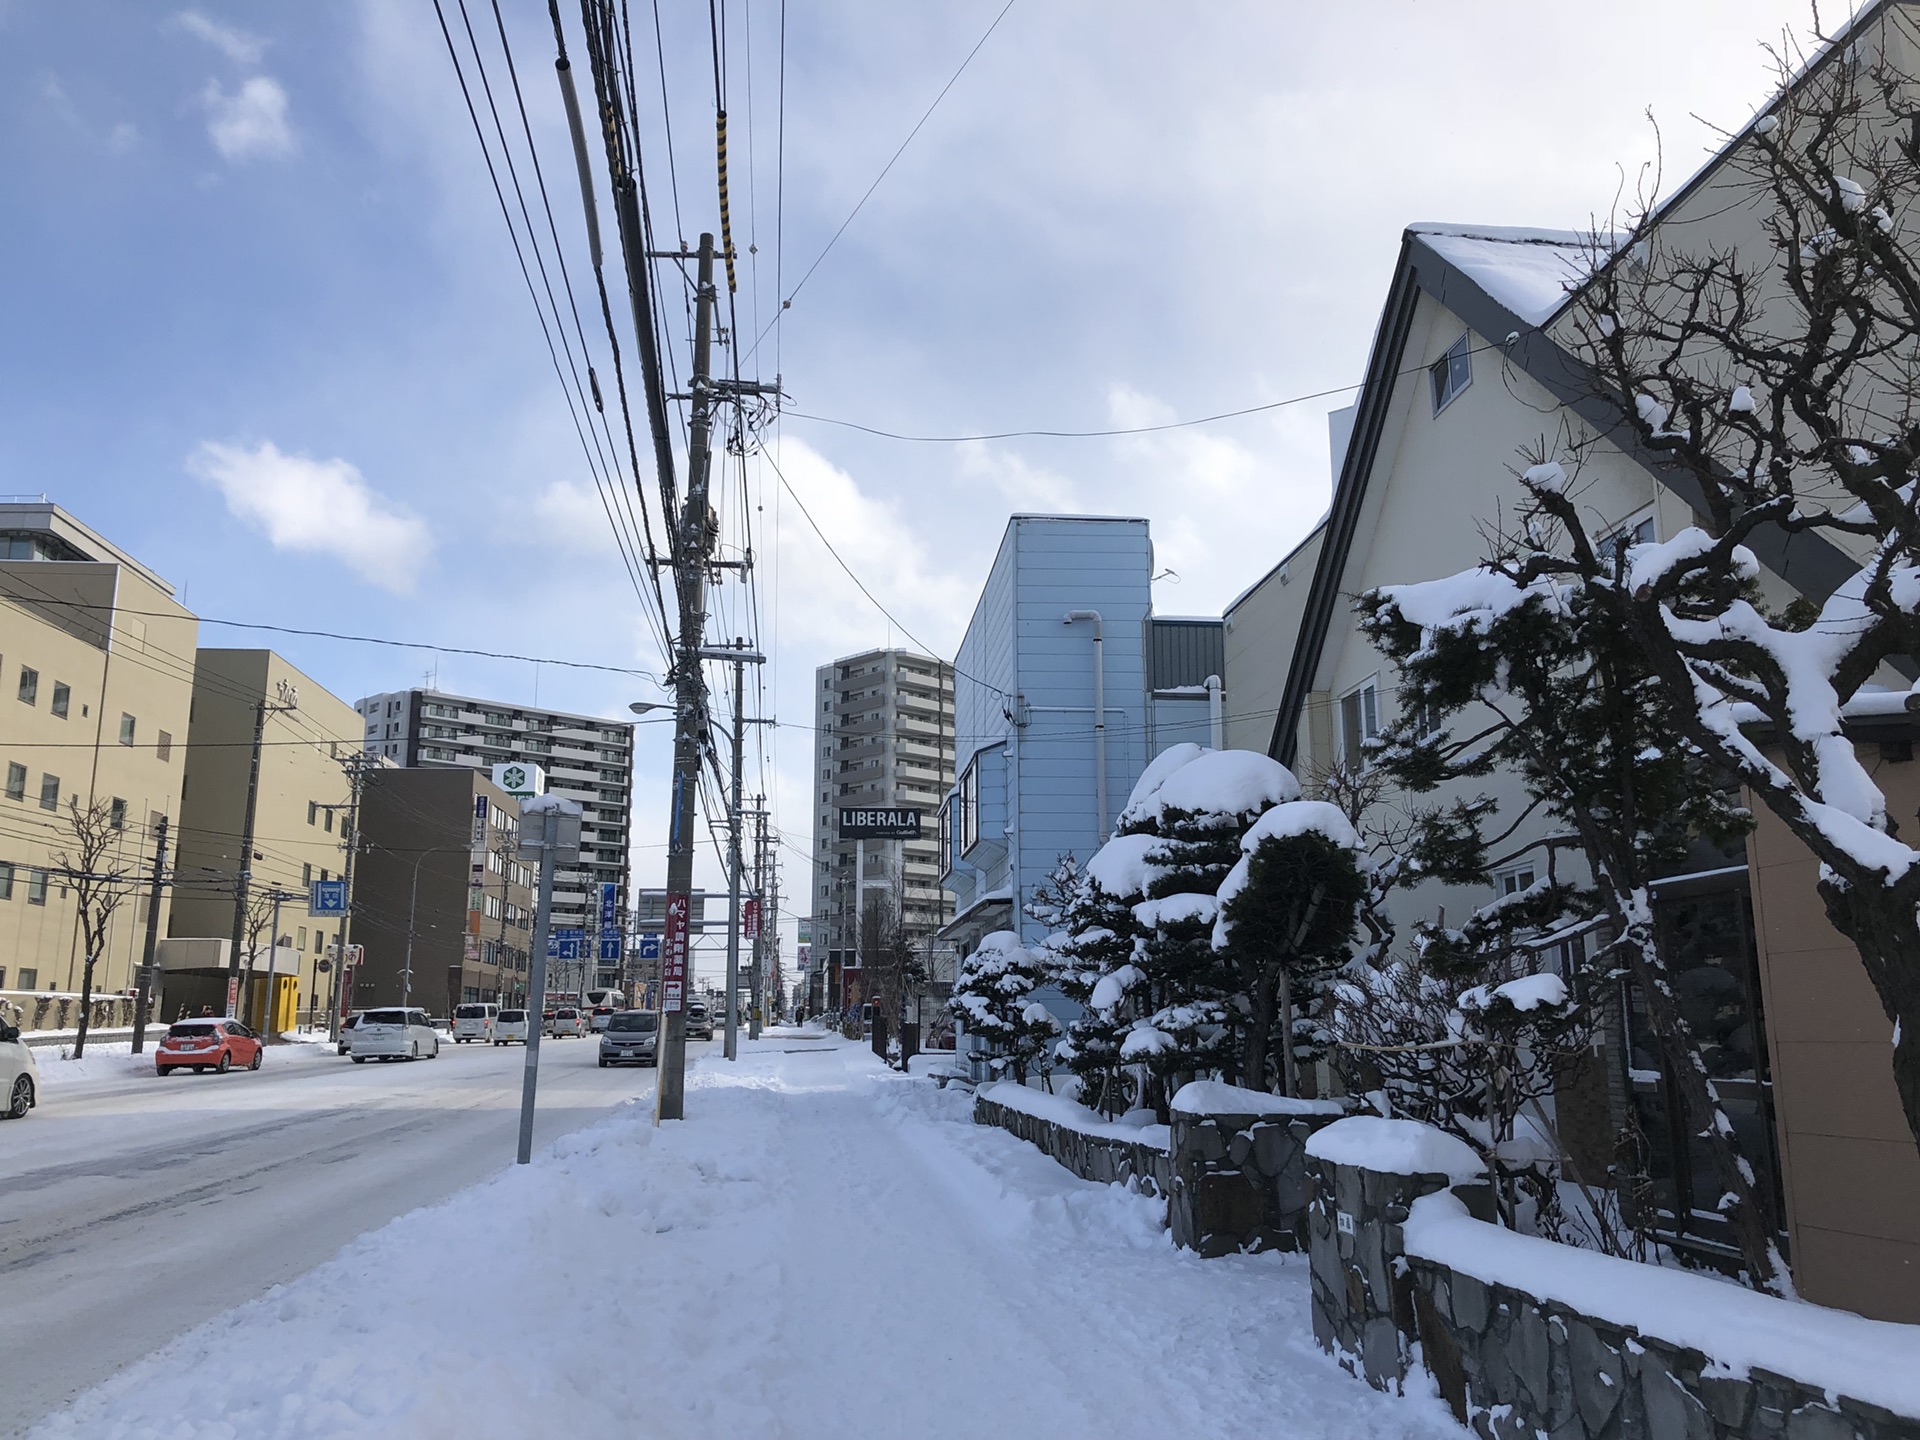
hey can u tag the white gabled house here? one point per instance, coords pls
(1471, 365)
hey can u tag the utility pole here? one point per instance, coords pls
(559, 839)
(693, 542)
(143, 997)
(357, 764)
(758, 972)
(289, 700)
(739, 657)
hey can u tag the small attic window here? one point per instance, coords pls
(1451, 373)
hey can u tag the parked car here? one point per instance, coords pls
(345, 1026)
(394, 1034)
(567, 1020)
(699, 1020)
(632, 1037)
(474, 1021)
(19, 1076)
(511, 1025)
(207, 1044)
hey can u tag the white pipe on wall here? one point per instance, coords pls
(1215, 722)
(1099, 714)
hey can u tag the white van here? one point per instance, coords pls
(509, 1026)
(394, 1034)
(19, 1076)
(474, 1021)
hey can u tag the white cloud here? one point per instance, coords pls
(322, 507)
(237, 45)
(251, 123)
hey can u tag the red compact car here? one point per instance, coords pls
(208, 1045)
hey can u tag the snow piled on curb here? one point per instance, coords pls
(825, 1248)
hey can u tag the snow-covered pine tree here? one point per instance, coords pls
(1088, 951)
(1503, 673)
(1774, 377)
(1199, 812)
(1288, 913)
(993, 998)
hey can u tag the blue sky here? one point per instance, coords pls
(263, 327)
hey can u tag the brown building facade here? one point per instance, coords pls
(440, 892)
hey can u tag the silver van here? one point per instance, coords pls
(474, 1021)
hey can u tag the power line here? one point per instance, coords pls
(951, 82)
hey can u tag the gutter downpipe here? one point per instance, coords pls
(1215, 735)
(1099, 714)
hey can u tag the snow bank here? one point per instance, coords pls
(1870, 1360)
(1395, 1147)
(1215, 1097)
(1121, 868)
(1059, 1110)
(1529, 992)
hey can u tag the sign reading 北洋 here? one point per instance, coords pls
(520, 779)
(609, 905)
(328, 897)
(884, 824)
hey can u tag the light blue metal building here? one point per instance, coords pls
(1036, 776)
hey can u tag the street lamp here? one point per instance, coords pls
(413, 901)
(641, 707)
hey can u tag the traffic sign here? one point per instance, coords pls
(649, 947)
(610, 945)
(328, 897)
(565, 944)
(609, 905)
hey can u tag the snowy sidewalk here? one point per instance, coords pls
(823, 1249)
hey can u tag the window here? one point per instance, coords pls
(49, 792)
(329, 815)
(62, 699)
(1637, 531)
(126, 729)
(1359, 723)
(306, 878)
(1513, 879)
(29, 978)
(36, 890)
(967, 805)
(300, 938)
(313, 812)
(29, 685)
(16, 782)
(319, 941)
(163, 747)
(6, 881)
(117, 815)
(1451, 373)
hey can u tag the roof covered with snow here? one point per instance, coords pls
(1531, 272)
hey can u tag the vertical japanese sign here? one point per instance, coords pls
(673, 957)
(609, 904)
(750, 919)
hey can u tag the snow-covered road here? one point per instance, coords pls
(822, 1249)
(133, 1208)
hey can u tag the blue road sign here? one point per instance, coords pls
(610, 946)
(328, 897)
(649, 947)
(609, 905)
(565, 944)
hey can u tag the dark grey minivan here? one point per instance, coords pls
(632, 1037)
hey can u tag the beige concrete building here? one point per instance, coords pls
(96, 678)
(299, 822)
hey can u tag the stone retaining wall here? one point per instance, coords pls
(1240, 1182)
(1142, 1167)
(1512, 1364)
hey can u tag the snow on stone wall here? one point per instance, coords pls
(1094, 1149)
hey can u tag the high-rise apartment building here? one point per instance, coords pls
(586, 759)
(883, 739)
